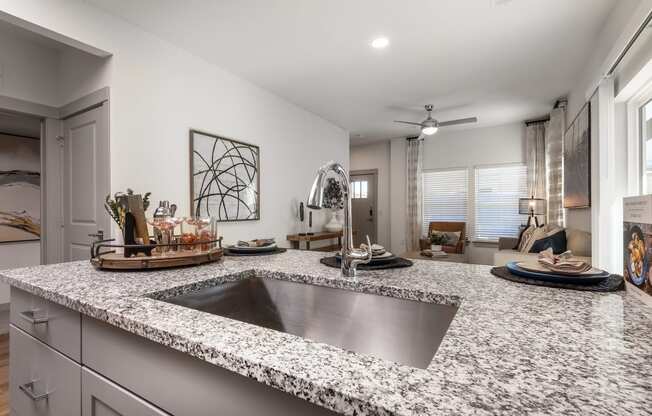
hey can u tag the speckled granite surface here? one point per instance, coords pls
(511, 349)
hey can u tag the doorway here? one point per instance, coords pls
(364, 202)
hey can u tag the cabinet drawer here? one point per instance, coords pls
(43, 382)
(101, 397)
(57, 326)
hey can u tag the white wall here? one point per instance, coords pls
(376, 156)
(453, 149)
(609, 39)
(609, 135)
(28, 69)
(159, 92)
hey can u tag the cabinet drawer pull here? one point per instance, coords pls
(28, 389)
(29, 317)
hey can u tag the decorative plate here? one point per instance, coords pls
(514, 268)
(245, 249)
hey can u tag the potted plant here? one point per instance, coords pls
(334, 200)
(437, 240)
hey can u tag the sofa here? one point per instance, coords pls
(577, 241)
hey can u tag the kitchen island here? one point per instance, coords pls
(510, 349)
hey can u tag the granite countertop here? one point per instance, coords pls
(511, 348)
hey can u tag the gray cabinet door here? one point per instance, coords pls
(43, 382)
(101, 397)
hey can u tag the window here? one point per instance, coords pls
(359, 189)
(646, 137)
(497, 190)
(444, 196)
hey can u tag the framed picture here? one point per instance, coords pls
(20, 188)
(577, 161)
(224, 178)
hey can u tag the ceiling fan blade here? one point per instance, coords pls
(458, 121)
(407, 122)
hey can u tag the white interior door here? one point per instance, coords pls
(86, 180)
(363, 207)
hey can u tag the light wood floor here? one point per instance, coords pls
(4, 375)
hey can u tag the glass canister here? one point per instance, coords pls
(200, 230)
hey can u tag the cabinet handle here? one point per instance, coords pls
(29, 317)
(28, 389)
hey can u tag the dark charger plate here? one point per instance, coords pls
(275, 250)
(395, 263)
(591, 279)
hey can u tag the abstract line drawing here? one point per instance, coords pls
(224, 178)
(20, 188)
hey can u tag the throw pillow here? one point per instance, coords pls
(452, 237)
(524, 238)
(520, 238)
(537, 233)
(555, 240)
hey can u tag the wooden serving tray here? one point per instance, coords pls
(117, 261)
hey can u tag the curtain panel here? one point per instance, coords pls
(414, 166)
(535, 154)
(554, 166)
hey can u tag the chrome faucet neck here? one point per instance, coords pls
(351, 256)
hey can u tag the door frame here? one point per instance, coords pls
(373, 172)
(52, 231)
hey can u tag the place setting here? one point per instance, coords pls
(381, 258)
(560, 270)
(256, 247)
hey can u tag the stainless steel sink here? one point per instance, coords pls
(403, 331)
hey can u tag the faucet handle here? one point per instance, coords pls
(368, 243)
(369, 251)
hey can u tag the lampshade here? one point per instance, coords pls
(536, 206)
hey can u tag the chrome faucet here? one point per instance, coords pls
(351, 256)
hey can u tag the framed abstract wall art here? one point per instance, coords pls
(224, 178)
(20, 188)
(577, 161)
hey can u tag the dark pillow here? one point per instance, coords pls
(556, 241)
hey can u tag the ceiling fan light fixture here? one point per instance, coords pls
(380, 43)
(429, 130)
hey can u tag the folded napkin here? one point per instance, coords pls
(261, 242)
(562, 263)
(376, 249)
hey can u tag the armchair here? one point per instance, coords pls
(424, 243)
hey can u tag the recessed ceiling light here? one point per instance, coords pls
(380, 43)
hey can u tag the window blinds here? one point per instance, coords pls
(444, 196)
(497, 190)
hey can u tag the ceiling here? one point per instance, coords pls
(500, 60)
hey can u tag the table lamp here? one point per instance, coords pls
(532, 207)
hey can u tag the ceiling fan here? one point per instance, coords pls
(429, 126)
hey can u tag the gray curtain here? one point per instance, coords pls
(535, 154)
(414, 184)
(554, 166)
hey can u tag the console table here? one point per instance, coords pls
(296, 239)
